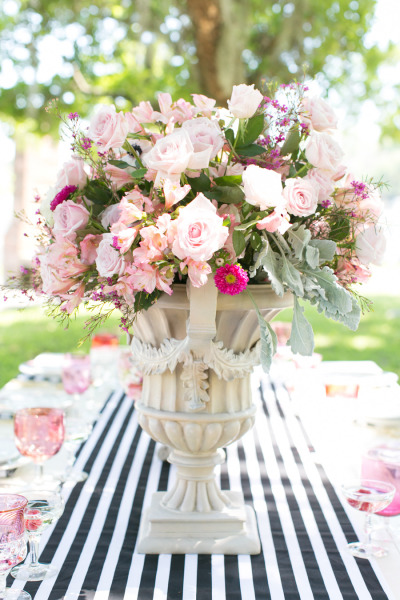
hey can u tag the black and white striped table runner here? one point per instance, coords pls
(302, 524)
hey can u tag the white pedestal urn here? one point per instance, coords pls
(197, 349)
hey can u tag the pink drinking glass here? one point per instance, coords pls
(39, 434)
(76, 375)
(368, 496)
(12, 541)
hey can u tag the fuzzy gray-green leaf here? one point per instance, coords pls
(302, 337)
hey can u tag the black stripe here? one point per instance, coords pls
(204, 585)
(175, 584)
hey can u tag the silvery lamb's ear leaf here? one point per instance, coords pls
(298, 237)
(291, 276)
(312, 256)
(273, 266)
(268, 342)
(335, 294)
(326, 249)
(302, 337)
(352, 319)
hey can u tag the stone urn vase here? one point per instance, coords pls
(197, 349)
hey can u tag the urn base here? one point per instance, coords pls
(231, 531)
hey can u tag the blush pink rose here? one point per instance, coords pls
(371, 245)
(68, 218)
(206, 136)
(323, 152)
(244, 101)
(301, 197)
(170, 156)
(72, 173)
(318, 114)
(109, 261)
(322, 181)
(278, 220)
(199, 231)
(89, 246)
(58, 267)
(108, 128)
(262, 187)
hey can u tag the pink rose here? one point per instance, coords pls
(108, 128)
(322, 181)
(71, 173)
(89, 246)
(68, 218)
(59, 265)
(262, 187)
(301, 197)
(323, 152)
(244, 101)
(199, 230)
(278, 220)
(318, 114)
(109, 261)
(170, 156)
(206, 136)
(371, 245)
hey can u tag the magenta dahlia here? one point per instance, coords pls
(231, 279)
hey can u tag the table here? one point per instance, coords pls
(303, 525)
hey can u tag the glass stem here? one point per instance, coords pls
(3, 578)
(33, 550)
(39, 471)
(368, 527)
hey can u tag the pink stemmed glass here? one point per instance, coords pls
(12, 541)
(39, 435)
(76, 375)
(369, 496)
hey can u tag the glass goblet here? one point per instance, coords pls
(77, 431)
(44, 508)
(39, 434)
(12, 541)
(76, 376)
(369, 496)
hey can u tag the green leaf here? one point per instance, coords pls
(138, 173)
(239, 242)
(247, 224)
(298, 237)
(340, 229)
(225, 194)
(143, 300)
(326, 248)
(200, 184)
(254, 127)
(291, 276)
(230, 136)
(121, 164)
(98, 192)
(255, 240)
(230, 180)
(302, 336)
(251, 150)
(291, 143)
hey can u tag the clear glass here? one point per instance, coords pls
(39, 434)
(369, 496)
(77, 431)
(12, 542)
(44, 508)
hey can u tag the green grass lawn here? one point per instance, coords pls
(26, 333)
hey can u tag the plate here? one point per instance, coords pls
(10, 458)
(29, 394)
(47, 364)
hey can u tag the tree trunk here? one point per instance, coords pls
(220, 35)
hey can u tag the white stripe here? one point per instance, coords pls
(190, 577)
(137, 562)
(278, 427)
(103, 506)
(325, 503)
(162, 577)
(218, 577)
(246, 577)
(84, 498)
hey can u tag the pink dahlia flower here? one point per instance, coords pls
(231, 279)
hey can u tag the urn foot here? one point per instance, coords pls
(231, 531)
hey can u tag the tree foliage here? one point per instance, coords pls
(90, 51)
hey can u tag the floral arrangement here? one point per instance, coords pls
(252, 194)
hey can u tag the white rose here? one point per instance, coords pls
(170, 156)
(244, 101)
(318, 114)
(262, 187)
(109, 261)
(205, 135)
(323, 152)
(371, 245)
(322, 181)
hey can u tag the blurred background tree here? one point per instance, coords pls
(90, 51)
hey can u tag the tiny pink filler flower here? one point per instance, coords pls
(231, 279)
